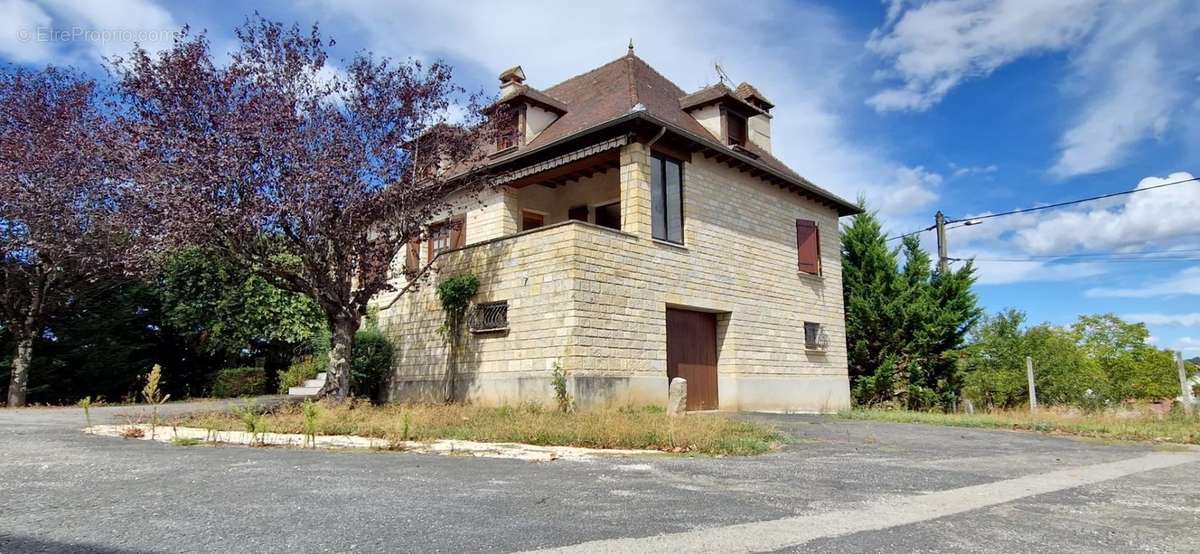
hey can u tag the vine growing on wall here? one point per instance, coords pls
(455, 295)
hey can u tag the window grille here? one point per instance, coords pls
(489, 316)
(814, 336)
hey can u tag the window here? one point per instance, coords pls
(808, 246)
(609, 215)
(447, 235)
(814, 339)
(508, 128)
(578, 213)
(489, 317)
(735, 128)
(666, 198)
(506, 139)
(532, 220)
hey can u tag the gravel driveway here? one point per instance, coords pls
(840, 486)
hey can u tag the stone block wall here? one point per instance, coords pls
(594, 300)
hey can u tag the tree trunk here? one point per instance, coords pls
(19, 380)
(337, 379)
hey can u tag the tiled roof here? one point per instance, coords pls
(715, 93)
(537, 97)
(627, 85)
(746, 91)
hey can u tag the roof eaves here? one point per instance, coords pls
(843, 206)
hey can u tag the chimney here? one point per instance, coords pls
(511, 80)
(759, 132)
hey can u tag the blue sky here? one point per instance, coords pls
(970, 107)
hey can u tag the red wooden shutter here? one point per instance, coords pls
(808, 246)
(458, 232)
(412, 258)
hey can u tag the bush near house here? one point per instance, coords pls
(240, 381)
(371, 362)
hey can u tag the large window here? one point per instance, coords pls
(666, 198)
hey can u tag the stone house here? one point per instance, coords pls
(640, 233)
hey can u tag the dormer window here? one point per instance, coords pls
(506, 137)
(735, 128)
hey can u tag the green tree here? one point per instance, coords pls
(226, 309)
(1135, 369)
(904, 323)
(994, 372)
(872, 292)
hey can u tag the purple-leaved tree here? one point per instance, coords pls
(56, 202)
(313, 177)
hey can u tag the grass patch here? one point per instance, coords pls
(1123, 426)
(632, 428)
(186, 441)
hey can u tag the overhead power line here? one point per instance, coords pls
(971, 220)
(1070, 202)
(1104, 260)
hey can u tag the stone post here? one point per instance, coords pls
(677, 397)
(635, 190)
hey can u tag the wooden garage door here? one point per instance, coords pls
(692, 354)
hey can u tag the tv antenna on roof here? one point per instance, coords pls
(722, 76)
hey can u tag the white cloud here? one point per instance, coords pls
(1129, 69)
(112, 27)
(796, 54)
(1177, 320)
(1159, 223)
(936, 46)
(1132, 78)
(964, 171)
(64, 32)
(1187, 344)
(1186, 282)
(1004, 273)
(19, 24)
(1141, 219)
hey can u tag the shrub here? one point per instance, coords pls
(301, 371)
(240, 381)
(371, 364)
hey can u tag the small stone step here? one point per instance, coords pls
(321, 376)
(314, 383)
(303, 391)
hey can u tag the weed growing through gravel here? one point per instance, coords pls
(251, 419)
(86, 404)
(311, 412)
(633, 428)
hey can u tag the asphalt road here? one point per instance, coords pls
(840, 486)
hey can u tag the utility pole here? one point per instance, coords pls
(1032, 386)
(1189, 401)
(943, 257)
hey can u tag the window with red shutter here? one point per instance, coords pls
(808, 246)
(447, 234)
(412, 258)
